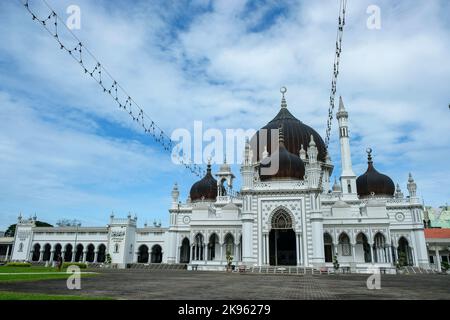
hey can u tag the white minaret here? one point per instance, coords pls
(348, 177)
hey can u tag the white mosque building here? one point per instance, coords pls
(283, 219)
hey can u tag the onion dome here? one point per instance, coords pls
(296, 133)
(204, 189)
(290, 166)
(336, 186)
(373, 182)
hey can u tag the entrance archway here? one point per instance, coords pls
(143, 254)
(362, 249)
(58, 252)
(282, 244)
(212, 245)
(101, 256)
(185, 251)
(68, 253)
(36, 252)
(47, 252)
(405, 256)
(90, 254)
(156, 254)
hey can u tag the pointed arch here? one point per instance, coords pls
(281, 213)
(185, 250)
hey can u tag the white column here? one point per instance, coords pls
(95, 256)
(206, 253)
(438, 259)
(84, 256)
(317, 237)
(297, 247)
(41, 255)
(52, 254)
(74, 253)
(267, 249)
(7, 253)
(372, 257)
(221, 252)
(247, 238)
(354, 252)
(301, 251)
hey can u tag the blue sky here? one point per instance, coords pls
(66, 151)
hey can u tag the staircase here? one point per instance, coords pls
(418, 270)
(158, 266)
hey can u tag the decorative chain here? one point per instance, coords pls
(94, 69)
(337, 57)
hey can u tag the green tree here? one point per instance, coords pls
(11, 231)
(335, 263)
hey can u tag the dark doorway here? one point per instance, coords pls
(68, 253)
(282, 247)
(328, 247)
(282, 244)
(185, 251)
(156, 254)
(143, 254)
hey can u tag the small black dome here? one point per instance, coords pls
(289, 166)
(373, 181)
(204, 189)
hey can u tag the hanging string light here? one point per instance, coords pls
(337, 57)
(93, 68)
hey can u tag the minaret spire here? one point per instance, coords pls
(348, 177)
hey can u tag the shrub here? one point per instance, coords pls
(18, 264)
(445, 266)
(78, 264)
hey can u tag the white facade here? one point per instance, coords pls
(275, 222)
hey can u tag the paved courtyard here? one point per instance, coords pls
(167, 284)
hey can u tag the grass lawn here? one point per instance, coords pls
(9, 274)
(4, 295)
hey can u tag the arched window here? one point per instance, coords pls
(379, 248)
(116, 248)
(47, 252)
(143, 254)
(281, 220)
(101, 255)
(344, 243)
(185, 251)
(68, 253)
(21, 247)
(363, 245)
(198, 247)
(57, 254)
(212, 244)
(79, 253)
(156, 254)
(328, 247)
(36, 252)
(229, 245)
(90, 254)
(405, 256)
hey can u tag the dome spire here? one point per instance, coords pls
(283, 90)
(369, 156)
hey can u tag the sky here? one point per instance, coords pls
(68, 152)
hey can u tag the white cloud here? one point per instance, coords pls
(394, 82)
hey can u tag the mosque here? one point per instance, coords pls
(292, 217)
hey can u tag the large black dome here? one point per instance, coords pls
(296, 134)
(204, 189)
(373, 181)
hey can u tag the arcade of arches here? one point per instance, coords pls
(210, 250)
(51, 253)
